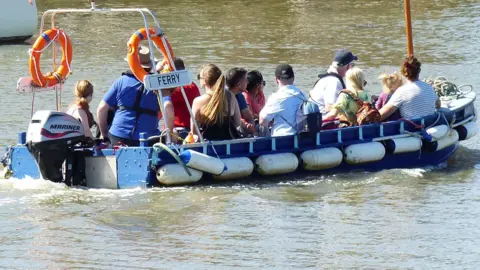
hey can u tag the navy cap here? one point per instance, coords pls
(284, 71)
(344, 57)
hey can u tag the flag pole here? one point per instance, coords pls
(408, 24)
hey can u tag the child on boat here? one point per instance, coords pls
(80, 108)
(391, 82)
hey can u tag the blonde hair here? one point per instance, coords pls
(391, 82)
(213, 111)
(354, 79)
(82, 90)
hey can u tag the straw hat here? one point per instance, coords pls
(144, 56)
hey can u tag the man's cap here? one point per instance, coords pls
(284, 71)
(144, 56)
(344, 57)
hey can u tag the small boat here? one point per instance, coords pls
(52, 147)
(18, 20)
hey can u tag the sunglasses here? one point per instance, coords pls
(199, 77)
(263, 83)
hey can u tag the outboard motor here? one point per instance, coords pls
(50, 138)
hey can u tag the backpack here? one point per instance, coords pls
(367, 113)
(308, 117)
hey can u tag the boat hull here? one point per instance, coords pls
(18, 20)
(362, 148)
(129, 167)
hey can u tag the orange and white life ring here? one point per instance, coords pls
(133, 44)
(62, 72)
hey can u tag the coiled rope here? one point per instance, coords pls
(448, 90)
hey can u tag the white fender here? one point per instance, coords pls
(174, 174)
(202, 162)
(467, 131)
(321, 159)
(276, 163)
(364, 152)
(452, 138)
(438, 132)
(403, 145)
(236, 168)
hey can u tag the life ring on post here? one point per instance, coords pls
(42, 42)
(134, 43)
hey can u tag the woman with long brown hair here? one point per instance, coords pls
(80, 108)
(216, 112)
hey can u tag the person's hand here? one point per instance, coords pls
(329, 118)
(174, 136)
(251, 128)
(88, 142)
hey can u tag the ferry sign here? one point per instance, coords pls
(167, 80)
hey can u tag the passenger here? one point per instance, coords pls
(414, 99)
(216, 111)
(80, 108)
(328, 86)
(282, 106)
(236, 80)
(254, 95)
(136, 109)
(346, 107)
(391, 82)
(181, 121)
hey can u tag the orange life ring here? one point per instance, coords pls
(42, 42)
(134, 42)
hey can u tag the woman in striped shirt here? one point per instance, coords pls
(414, 99)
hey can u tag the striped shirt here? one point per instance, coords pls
(415, 99)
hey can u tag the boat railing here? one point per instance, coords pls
(145, 13)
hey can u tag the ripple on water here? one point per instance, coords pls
(411, 218)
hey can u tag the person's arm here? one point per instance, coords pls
(109, 102)
(387, 110)
(339, 106)
(237, 119)
(247, 115)
(196, 105)
(268, 113)
(102, 115)
(331, 93)
(331, 115)
(393, 104)
(170, 117)
(243, 107)
(380, 101)
(82, 115)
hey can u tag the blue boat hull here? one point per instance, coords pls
(134, 164)
(130, 167)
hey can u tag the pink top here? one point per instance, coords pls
(255, 104)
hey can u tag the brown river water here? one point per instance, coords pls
(419, 218)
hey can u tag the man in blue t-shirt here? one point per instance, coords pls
(136, 110)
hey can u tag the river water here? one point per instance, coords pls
(419, 218)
